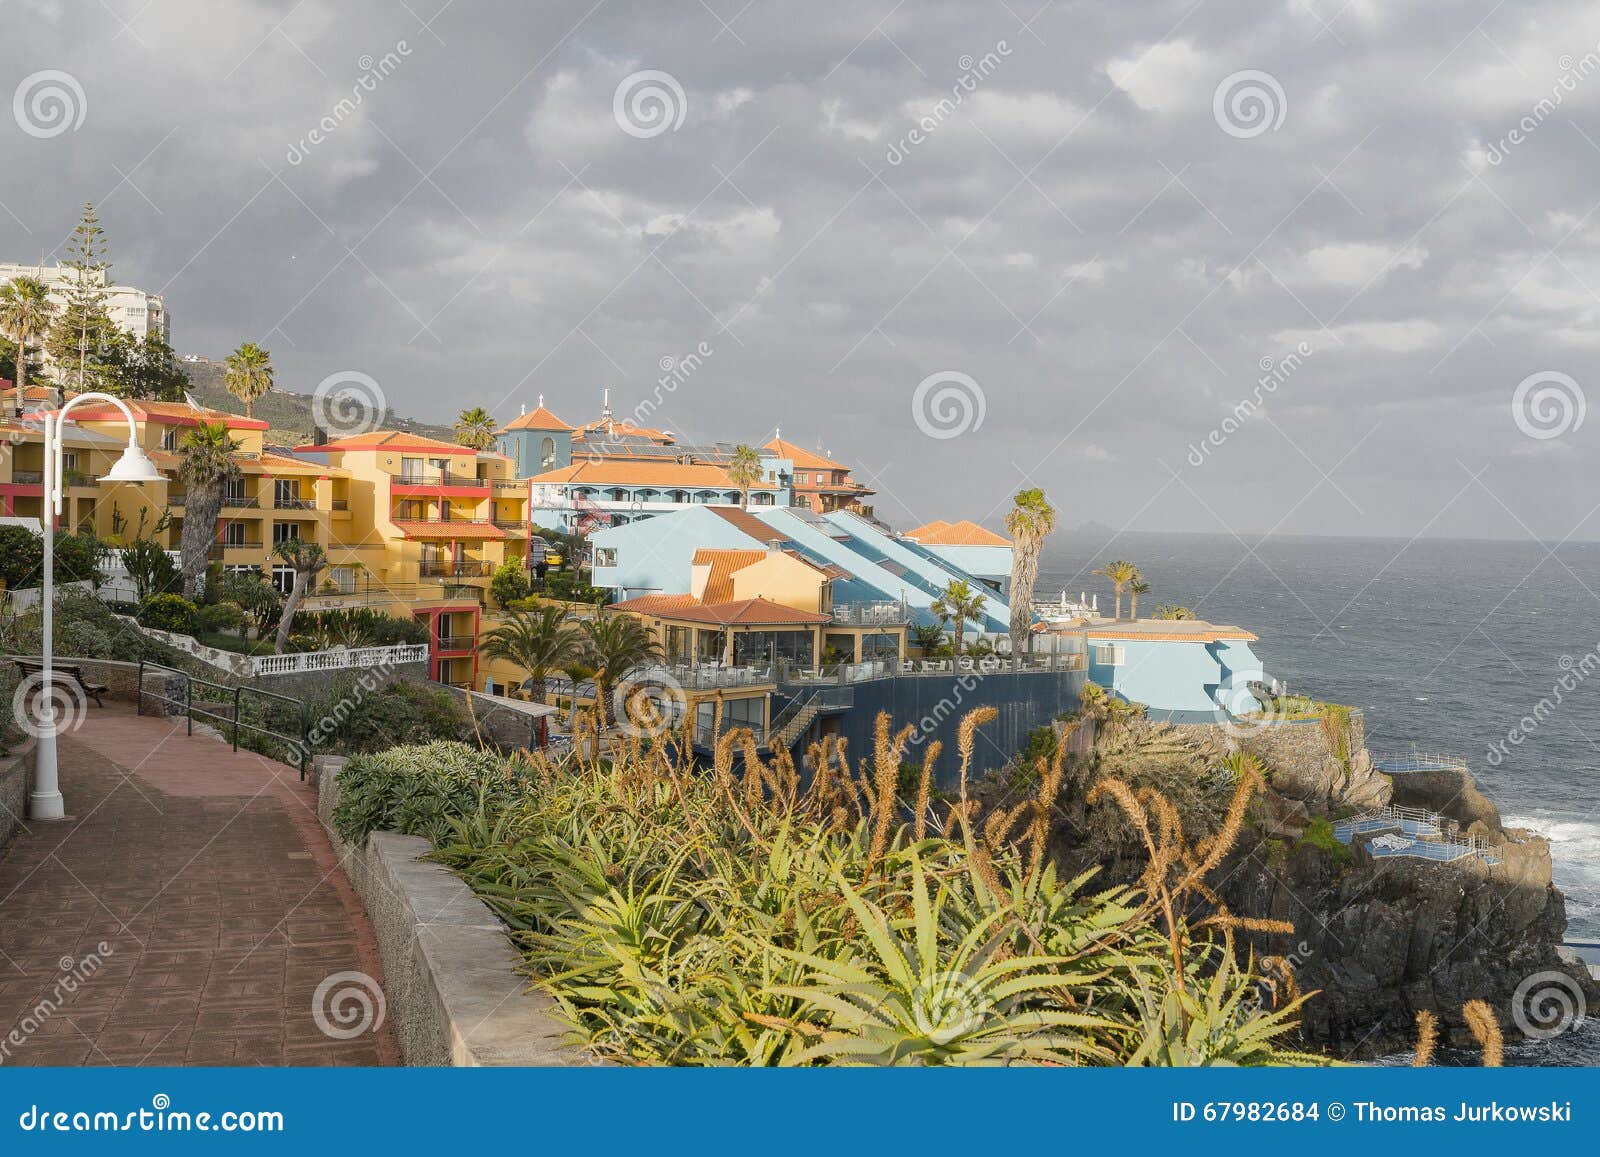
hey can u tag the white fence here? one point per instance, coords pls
(339, 659)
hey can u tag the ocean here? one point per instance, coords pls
(1489, 650)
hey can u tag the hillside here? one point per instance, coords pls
(289, 414)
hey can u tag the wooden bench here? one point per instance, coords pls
(65, 671)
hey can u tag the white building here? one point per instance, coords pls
(133, 310)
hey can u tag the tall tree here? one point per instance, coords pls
(25, 313)
(1029, 523)
(1120, 573)
(78, 338)
(744, 471)
(1136, 588)
(538, 641)
(958, 603)
(249, 374)
(308, 559)
(143, 368)
(616, 645)
(206, 467)
(475, 428)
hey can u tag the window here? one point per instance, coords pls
(286, 490)
(284, 531)
(233, 534)
(283, 578)
(1108, 655)
(169, 438)
(411, 469)
(547, 454)
(344, 578)
(800, 478)
(69, 459)
(605, 556)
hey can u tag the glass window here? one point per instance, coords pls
(283, 578)
(284, 531)
(605, 556)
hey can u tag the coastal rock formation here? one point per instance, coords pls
(1449, 792)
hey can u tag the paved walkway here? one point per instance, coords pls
(184, 914)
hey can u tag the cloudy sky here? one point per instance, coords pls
(961, 245)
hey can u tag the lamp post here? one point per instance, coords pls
(45, 802)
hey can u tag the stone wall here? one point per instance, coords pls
(1304, 766)
(16, 777)
(450, 972)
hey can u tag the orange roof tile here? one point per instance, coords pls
(800, 456)
(164, 413)
(655, 604)
(748, 612)
(602, 428)
(668, 474)
(538, 418)
(391, 440)
(963, 533)
(724, 564)
(450, 530)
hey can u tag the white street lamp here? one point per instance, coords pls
(45, 802)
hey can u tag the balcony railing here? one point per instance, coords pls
(240, 502)
(341, 504)
(510, 523)
(456, 642)
(457, 519)
(705, 676)
(510, 484)
(454, 569)
(881, 614)
(28, 477)
(293, 504)
(441, 478)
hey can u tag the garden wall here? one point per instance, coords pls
(16, 776)
(450, 972)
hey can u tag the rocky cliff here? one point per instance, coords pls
(1382, 937)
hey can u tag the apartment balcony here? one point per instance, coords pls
(240, 502)
(28, 477)
(340, 505)
(221, 550)
(516, 485)
(454, 643)
(294, 504)
(438, 478)
(468, 569)
(509, 523)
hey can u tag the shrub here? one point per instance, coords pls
(222, 618)
(509, 583)
(78, 557)
(417, 790)
(1319, 834)
(170, 613)
(565, 585)
(82, 640)
(351, 717)
(152, 570)
(358, 627)
(749, 915)
(259, 599)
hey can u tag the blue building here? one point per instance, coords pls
(1184, 671)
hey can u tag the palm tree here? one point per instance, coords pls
(616, 645)
(927, 636)
(206, 468)
(1171, 612)
(308, 559)
(958, 603)
(249, 374)
(1136, 588)
(25, 313)
(1120, 573)
(744, 471)
(538, 641)
(1029, 523)
(475, 428)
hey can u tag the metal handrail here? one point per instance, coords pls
(300, 744)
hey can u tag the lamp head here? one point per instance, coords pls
(134, 466)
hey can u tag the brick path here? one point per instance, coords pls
(215, 895)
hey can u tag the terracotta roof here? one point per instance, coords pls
(450, 530)
(800, 456)
(538, 418)
(748, 612)
(963, 533)
(166, 414)
(664, 474)
(1169, 631)
(282, 464)
(655, 604)
(743, 520)
(724, 564)
(390, 440)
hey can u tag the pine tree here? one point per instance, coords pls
(78, 339)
